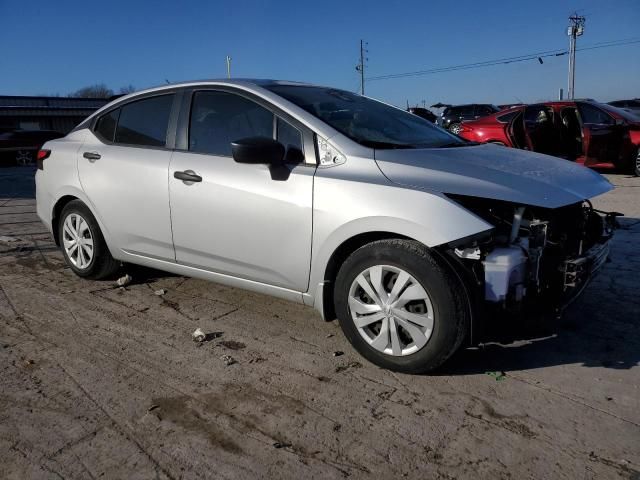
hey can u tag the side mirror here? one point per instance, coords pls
(258, 150)
(620, 122)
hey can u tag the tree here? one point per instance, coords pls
(99, 90)
(128, 89)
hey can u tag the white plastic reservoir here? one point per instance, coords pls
(504, 268)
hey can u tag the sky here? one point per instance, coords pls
(57, 47)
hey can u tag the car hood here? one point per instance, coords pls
(491, 171)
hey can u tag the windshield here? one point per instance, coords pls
(366, 121)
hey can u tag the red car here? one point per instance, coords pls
(587, 132)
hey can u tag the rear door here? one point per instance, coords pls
(603, 139)
(124, 169)
(241, 220)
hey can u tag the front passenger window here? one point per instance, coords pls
(591, 114)
(219, 118)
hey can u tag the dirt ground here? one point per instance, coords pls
(101, 382)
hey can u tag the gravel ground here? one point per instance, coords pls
(102, 382)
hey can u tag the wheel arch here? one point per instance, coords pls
(55, 215)
(337, 258)
(64, 197)
(325, 294)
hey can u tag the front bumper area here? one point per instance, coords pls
(577, 271)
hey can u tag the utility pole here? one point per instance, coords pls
(228, 66)
(575, 29)
(360, 66)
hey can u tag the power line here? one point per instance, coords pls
(506, 60)
(608, 44)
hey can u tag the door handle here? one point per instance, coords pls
(187, 176)
(92, 156)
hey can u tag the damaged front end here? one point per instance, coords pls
(535, 259)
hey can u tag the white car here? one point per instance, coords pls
(359, 209)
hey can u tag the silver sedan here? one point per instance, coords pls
(404, 232)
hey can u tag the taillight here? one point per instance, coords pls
(41, 156)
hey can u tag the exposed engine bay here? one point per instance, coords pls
(540, 254)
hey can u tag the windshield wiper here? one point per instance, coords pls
(385, 145)
(457, 144)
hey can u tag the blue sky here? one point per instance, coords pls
(60, 46)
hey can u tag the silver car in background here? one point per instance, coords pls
(404, 232)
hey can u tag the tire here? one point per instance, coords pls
(636, 164)
(455, 128)
(417, 348)
(78, 226)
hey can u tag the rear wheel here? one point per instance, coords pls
(636, 164)
(83, 245)
(400, 307)
(24, 158)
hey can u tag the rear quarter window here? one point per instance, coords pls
(106, 125)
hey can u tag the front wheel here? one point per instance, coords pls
(400, 307)
(636, 164)
(455, 128)
(83, 245)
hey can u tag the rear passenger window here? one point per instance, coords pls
(106, 125)
(145, 122)
(219, 118)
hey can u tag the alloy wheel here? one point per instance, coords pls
(24, 158)
(78, 241)
(391, 310)
(456, 129)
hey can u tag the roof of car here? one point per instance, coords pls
(468, 105)
(260, 82)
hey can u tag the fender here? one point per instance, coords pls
(430, 218)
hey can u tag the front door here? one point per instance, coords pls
(123, 168)
(241, 220)
(603, 139)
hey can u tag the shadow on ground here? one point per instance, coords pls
(601, 329)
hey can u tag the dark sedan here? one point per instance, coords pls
(19, 147)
